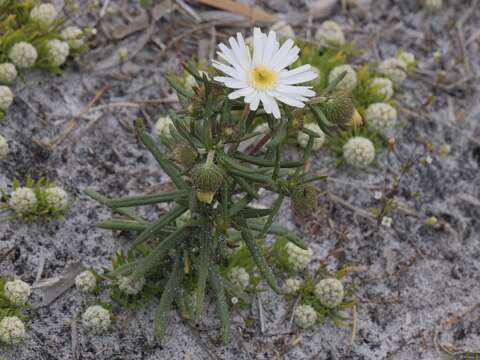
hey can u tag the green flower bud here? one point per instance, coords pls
(207, 179)
(339, 108)
(184, 154)
(304, 199)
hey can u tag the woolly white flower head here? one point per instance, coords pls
(394, 69)
(305, 316)
(6, 97)
(23, 55)
(96, 319)
(73, 35)
(86, 281)
(349, 81)
(359, 152)
(23, 199)
(407, 58)
(264, 78)
(130, 286)
(381, 117)
(297, 257)
(8, 73)
(56, 197)
(162, 126)
(17, 292)
(3, 148)
(292, 285)
(44, 14)
(433, 4)
(318, 142)
(57, 51)
(387, 221)
(239, 277)
(329, 33)
(329, 292)
(12, 330)
(283, 29)
(383, 86)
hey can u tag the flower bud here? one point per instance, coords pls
(86, 281)
(305, 316)
(8, 73)
(6, 98)
(74, 36)
(349, 81)
(12, 330)
(57, 51)
(3, 148)
(96, 319)
(359, 152)
(17, 292)
(329, 292)
(23, 55)
(339, 108)
(44, 14)
(207, 179)
(184, 154)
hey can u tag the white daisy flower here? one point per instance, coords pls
(264, 77)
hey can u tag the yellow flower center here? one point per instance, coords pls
(263, 78)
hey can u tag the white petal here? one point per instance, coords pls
(241, 93)
(299, 78)
(288, 100)
(255, 101)
(228, 70)
(238, 54)
(269, 48)
(230, 82)
(282, 52)
(257, 46)
(265, 102)
(246, 50)
(229, 56)
(276, 109)
(286, 73)
(299, 90)
(288, 59)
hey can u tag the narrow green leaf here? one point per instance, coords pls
(266, 163)
(259, 259)
(249, 189)
(204, 263)
(278, 230)
(178, 87)
(276, 208)
(103, 200)
(222, 306)
(239, 205)
(236, 291)
(139, 200)
(122, 225)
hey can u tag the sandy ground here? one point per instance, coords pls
(410, 280)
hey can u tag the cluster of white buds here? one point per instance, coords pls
(130, 286)
(96, 319)
(23, 55)
(329, 292)
(408, 59)
(74, 36)
(359, 152)
(239, 277)
(318, 142)
(162, 126)
(8, 73)
(292, 285)
(56, 198)
(381, 117)
(298, 257)
(283, 30)
(12, 330)
(23, 199)
(6, 98)
(44, 14)
(349, 81)
(383, 86)
(86, 281)
(394, 69)
(57, 51)
(330, 34)
(3, 148)
(17, 292)
(305, 316)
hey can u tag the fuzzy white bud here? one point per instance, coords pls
(330, 34)
(383, 86)
(74, 36)
(292, 285)
(17, 292)
(12, 330)
(303, 138)
(162, 126)
(96, 319)
(381, 117)
(6, 98)
(23, 55)
(130, 286)
(86, 281)
(239, 277)
(23, 199)
(305, 316)
(8, 73)
(44, 14)
(56, 197)
(3, 148)
(394, 69)
(329, 292)
(349, 81)
(359, 152)
(58, 51)
(433, 5)
(283, 30)
(407, 58)
(298, 257)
